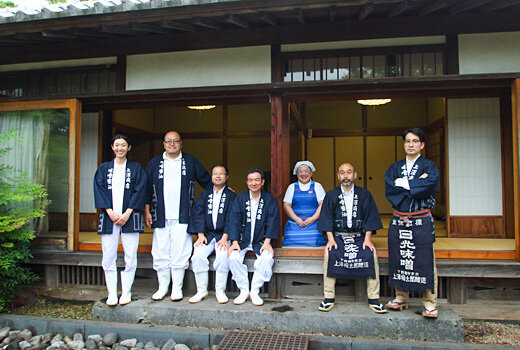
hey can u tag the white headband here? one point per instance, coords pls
(303, 162)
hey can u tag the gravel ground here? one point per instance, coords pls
(476, 332)
(482, 332)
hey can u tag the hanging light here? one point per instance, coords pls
(202, 108)
(374, 102)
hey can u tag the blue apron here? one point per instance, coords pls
(304, 205)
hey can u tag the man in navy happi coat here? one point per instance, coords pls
(210, 221)
(349, 217)
(171, 191)
(410, 186)
(254, 221)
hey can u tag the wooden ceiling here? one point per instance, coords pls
(237, 23)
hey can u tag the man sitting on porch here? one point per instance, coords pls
(253, 224)
(349, 216)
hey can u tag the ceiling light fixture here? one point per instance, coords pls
(374, 102)
(202, 108)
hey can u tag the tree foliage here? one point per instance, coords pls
(4, 4)
(21, 201)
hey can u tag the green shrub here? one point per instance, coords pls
(21, 201)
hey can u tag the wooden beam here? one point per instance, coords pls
(208, 23)
(300, 16)
(268, 18)
(74, 175)
(148, 28)
(118, 30)
(434, 6)
(237, 20)
(178, 26)
(333, 12)
(515, 99)
(396, 11)
(297, 118)
(280, 156)
(61, 35)
(121, 73)
(498, 5)
(365, 11)
(276, 64)
(467, 5)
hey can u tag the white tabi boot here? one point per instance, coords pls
(111, 281)
(220, 287)
(163, 276)
(127, 279)
(256, 284)
(177, 281)
(201, 279)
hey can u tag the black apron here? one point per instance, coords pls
(350, 260)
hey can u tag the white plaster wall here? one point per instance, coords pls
(231, 66)
(89, 159)
(57, 64)
(475, 166)
(489, 53)
(352, 44)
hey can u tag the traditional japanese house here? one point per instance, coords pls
(264, 84)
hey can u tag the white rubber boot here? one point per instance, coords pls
(127, 279)
(256, 284)
(111, 281)
(163, 276)
(220, 287)
(177, 281)
(201, 279)
(242, 297)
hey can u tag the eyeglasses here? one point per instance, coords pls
(414, 141)
(171, 142)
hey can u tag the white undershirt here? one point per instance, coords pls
(254, 209)
(216, 203)
(349, 202)
(172, 186)
(118, 187)
(410, 163)
(318, 188)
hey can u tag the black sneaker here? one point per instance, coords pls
(376, 306)
(327, 304)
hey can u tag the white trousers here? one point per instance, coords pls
(109, 244)
(200, 262)
(171, 246)
(263, 269)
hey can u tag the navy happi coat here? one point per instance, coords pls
(266, 225)
(201, 217)
(134, 196)
(191, 171)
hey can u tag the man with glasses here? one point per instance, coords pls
(410, 186)
(253, 223)
(171, 187)
(209, 220)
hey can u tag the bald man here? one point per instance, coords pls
(349, 216)
(171, 185)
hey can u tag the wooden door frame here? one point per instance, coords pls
(74, 107)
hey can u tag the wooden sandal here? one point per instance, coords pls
(397, 305)
(433, 313)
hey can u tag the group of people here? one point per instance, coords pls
(343, 220)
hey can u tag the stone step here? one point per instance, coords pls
(346, 318)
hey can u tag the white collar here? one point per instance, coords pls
(173, 160)
(349, 192)
(251, 197)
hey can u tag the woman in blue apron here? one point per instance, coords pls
(302, 203)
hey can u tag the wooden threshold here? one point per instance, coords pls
(318, 252)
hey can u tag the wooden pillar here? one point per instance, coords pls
(74, 175)
(280, 156)
(515, 97)
(457, 290)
